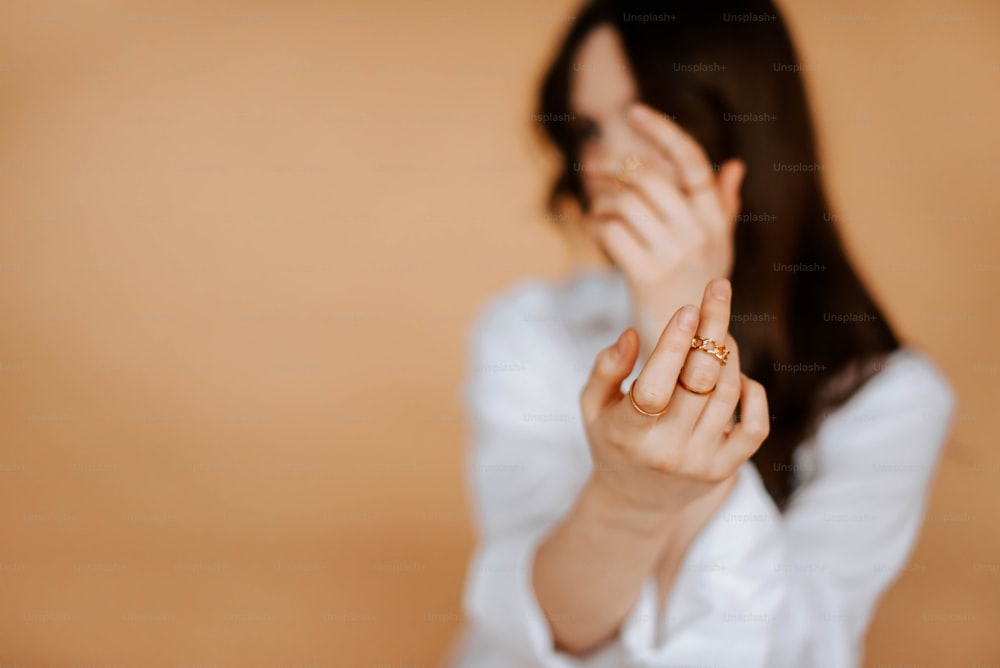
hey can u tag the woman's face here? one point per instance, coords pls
(602, 88)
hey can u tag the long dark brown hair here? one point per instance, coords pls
(800, 312)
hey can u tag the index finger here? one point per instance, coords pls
(656, 383)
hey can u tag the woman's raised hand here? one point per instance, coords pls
(662, 463)
(669, 233)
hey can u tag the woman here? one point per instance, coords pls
(741, 475)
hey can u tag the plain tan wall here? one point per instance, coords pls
(240, 247)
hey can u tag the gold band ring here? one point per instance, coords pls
(636, 406)
(716, 350)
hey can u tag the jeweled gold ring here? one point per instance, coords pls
(631, 162)
(717, 350)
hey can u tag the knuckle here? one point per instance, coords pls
(616, 438)
(724, 469)
(700, 376)
(765, 429)
(715, 473)
(700, 240)
(614, 430)
(758, 428)
(728, 391)
(651, 394)
(606, 363)
(701, 470)
(667, 461)
(694, 155)
(618, 446)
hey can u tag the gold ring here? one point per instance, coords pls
(681, 383)
(632, 399)
(716, 350)
(629, 163)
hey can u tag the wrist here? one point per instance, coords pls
(697, 517)
(701, 511)
(607, 509)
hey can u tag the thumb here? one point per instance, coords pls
(612, 366)
(730, 181)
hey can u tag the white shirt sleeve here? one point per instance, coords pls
(757, 589)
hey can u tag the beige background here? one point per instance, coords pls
(241, 243)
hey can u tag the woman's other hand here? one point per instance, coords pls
(668, 233)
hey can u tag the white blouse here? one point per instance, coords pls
(757, 588)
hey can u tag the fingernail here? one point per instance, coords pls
(689, 316)
(721, 288)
